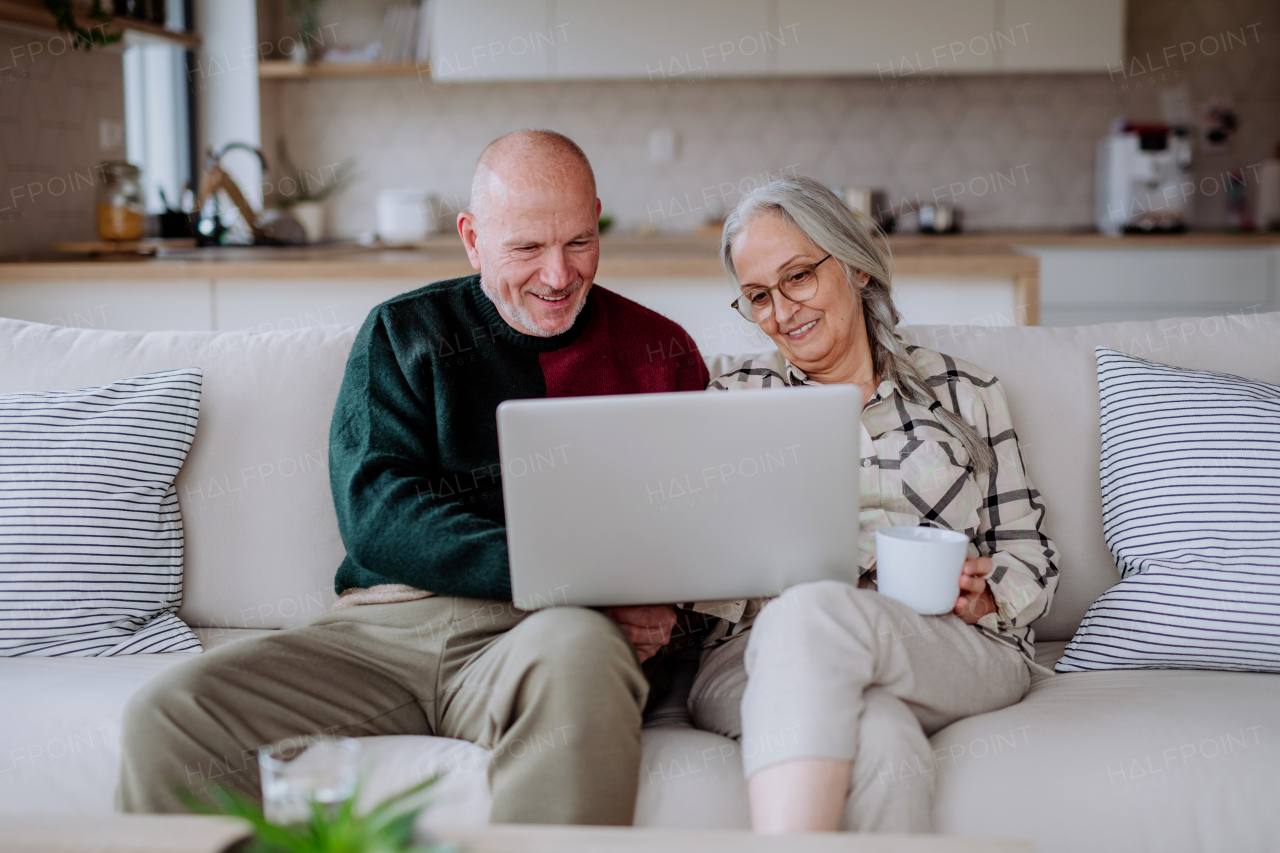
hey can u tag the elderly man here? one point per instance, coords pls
(424, 637)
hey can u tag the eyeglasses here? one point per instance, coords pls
(798, 285)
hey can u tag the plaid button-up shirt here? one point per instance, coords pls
(914, 473)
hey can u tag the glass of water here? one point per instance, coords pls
(298, 771)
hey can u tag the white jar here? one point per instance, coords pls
(310, 215)
(404, 217)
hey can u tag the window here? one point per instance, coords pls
(157, 115)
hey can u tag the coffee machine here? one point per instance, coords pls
(1144, 179)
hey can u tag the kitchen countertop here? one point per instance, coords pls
(978, 254)
(443, 257)
(1091, 239)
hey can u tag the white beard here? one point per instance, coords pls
(524, 317)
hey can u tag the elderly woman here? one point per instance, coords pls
(832, 688)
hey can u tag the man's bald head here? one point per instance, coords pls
(524, 160)
(533, 229)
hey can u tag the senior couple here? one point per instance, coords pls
(424, 638)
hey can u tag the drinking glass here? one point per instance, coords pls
(298, 771)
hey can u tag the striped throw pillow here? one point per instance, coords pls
(90, 530)
(1191, 511)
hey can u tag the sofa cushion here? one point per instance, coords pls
(60, 742)
(460, 798)
(90, 529)
(1191, 510)
(691, 778)
(1130, 761)
(262, 540)
(1050, 378)
(688, 778)
(60, 750)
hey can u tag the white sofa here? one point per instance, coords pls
(1123, 761)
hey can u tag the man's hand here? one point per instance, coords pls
(648, 627)
(975, 599)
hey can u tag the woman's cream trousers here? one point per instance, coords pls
(832, 671)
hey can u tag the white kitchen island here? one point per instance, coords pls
(953, 282)
(963, 280)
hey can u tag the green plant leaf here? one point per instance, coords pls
(385, 828)
(64, 16)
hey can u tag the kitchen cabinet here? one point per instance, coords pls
(144, 305)
(662, 39)
(1101, 284)
(254, 305)
(974, 280)
(1061, 35)
(681, 39)
(285, 304)
(493, 40)
(889, 40)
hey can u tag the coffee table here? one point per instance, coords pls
(198, 834)
(583, 839)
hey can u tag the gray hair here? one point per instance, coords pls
(857, 243)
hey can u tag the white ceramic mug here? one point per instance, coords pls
(404, 217)
(920, 566)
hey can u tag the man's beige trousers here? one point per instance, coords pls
(556, 695)
(832, 671)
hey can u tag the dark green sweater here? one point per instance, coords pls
(413, 448)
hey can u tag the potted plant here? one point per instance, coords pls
(306, 17)
(339, 828)
(306, 202)
(82, 38)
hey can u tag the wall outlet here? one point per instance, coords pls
(664, 146)
(110, 134)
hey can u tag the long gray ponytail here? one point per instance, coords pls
(858, 244)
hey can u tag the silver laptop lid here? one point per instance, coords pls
(679, 497)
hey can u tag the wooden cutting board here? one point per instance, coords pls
(122, 247)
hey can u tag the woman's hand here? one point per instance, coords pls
(975, 599)
(647, 627)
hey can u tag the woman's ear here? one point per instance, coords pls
(861, 279)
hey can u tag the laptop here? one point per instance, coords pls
(657, 498)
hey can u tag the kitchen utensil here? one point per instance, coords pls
(216, 180)
(871, 202)
(174, 222)
(938, 219)
(1142, 172)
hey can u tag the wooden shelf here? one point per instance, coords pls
(35, 15)
(284, 69)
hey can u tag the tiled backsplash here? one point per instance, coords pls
(61, 114)
(1012, 151)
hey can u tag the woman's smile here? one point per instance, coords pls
(803, 331)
